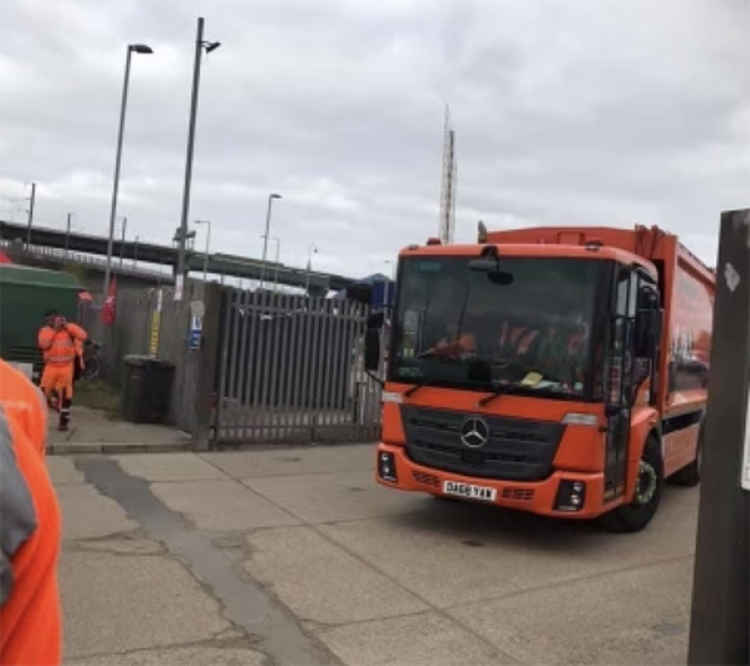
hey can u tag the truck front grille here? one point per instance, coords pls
(516, 449)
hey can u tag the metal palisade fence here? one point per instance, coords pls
(291, 370)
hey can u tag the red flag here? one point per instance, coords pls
(109, 308)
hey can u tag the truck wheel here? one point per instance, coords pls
(690, 475)
(636, 515)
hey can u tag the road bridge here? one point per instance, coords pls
(218, 263)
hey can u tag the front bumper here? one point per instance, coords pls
(534, 496)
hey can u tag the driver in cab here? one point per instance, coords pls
(454, 346)
(551, 351)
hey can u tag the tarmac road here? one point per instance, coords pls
(295, 555)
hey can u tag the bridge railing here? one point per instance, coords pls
(61, 255)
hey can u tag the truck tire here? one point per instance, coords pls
(636, 515)
(690, 475)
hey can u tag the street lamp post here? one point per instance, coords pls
(310, 251)
(135, 252)
(208, 246)
(122, 242)
(137, 48)
(271, 197)
(277, 240)
(32, 199)
(67, 236)
(200, 44)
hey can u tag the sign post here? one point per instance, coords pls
(721, 589)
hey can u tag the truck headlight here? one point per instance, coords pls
(387, 466)
(571, 495)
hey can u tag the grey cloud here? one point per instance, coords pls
(591, 113)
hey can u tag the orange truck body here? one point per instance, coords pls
(424, 425)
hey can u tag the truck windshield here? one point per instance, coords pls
(527, 327)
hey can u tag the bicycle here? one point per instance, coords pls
(92, 360)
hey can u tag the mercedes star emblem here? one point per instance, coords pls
(474, 432)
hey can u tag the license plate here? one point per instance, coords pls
(469, 491)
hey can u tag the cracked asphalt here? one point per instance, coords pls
(296, 556)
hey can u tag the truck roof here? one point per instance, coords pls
(642, 245)
(650, 243)
(535, 250)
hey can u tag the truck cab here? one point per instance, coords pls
(534, 374)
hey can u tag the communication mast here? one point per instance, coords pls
(447, 221)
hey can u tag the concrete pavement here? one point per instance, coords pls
(93, 431)
(295, 555)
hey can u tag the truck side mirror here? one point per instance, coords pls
(647, 332)
(372, 341)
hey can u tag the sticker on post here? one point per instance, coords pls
(196, 332)
(178, 284)
(731, 276)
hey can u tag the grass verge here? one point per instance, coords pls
(98, 394)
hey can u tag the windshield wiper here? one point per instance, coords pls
(416, 387)
(489, 398)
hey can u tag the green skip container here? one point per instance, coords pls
(26, 293)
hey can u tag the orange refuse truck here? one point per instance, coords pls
(561, 371)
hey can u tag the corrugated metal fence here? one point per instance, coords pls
(290, 370)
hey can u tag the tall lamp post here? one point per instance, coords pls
(32, 199)
(200, 45)
(208, 246)
(277, 240)
(310, 251)
(122, 243)
(271, 197)
(132, 48)
(67, 237)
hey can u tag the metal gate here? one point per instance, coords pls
(291, 370)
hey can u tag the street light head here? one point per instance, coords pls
(140, 48)
(211, 46)
(275, 196)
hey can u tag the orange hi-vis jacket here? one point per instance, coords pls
(25, 402)
(30, 617)
(63, 346)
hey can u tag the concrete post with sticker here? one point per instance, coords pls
(721, 589)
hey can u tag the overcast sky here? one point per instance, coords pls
(599, 112)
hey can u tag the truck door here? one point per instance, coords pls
(619, 389)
